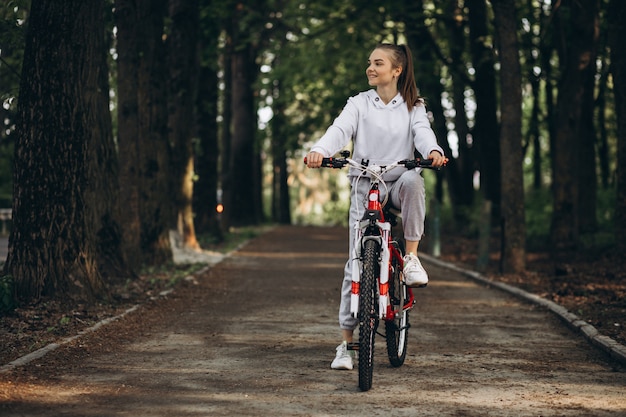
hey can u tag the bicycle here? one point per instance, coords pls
(378, 289)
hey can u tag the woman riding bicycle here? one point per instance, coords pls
(386, 125)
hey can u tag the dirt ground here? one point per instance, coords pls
(254, 335)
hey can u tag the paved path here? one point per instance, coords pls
(255, 335)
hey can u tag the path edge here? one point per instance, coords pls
(604, 343)
(29, 357)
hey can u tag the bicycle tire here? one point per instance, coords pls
(368, 316)
(397, 329)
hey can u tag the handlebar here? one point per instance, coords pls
(407, 163)
(376, 172)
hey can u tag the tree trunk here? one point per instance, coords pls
(157, 208)
(128, 127)
(602, 123)
(207, 160)
(183, 41)
(617, 34)
(513, 256)
(225, 139)
(244, 207)
(485, 131)
(281, 210)
(466, 148)
(575, 30)
(65, 239)
(587, 178)
(142, 131)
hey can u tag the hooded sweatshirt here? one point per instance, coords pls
(382, 133)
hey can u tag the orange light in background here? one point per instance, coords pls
(219, 208)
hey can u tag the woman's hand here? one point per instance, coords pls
(314, 159)
(438, 159)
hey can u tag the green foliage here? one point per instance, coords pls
(7, 301)
(538, 218)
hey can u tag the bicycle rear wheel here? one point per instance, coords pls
(368, 317)
(397, 329)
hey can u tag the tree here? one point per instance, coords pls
(183, 65)
(513, 256)
(456, 45)
(156, 207)
(66, 238)
(281, 211)
(617, 34)
(244, 205)
(126, 20)
(144, 151)
(485, 132)
(576, 25)
(208, 152)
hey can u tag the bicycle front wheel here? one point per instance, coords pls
(368, 317)
(396, 329)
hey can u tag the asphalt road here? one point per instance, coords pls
(254, 336)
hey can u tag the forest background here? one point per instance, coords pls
(124, 120)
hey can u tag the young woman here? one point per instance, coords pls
(386, 124)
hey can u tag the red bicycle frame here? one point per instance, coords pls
(390, 255)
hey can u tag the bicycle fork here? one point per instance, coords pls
(361, 236)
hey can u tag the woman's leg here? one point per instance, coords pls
(347, 323)
(409, 195)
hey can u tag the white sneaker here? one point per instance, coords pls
(414, 273)
(343, 359)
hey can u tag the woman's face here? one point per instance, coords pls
(380, 71)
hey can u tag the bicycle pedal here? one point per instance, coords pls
(353, 346)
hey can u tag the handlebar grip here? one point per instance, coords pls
(330, 162)
(333, 162)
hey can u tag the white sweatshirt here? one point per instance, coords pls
(382, 133)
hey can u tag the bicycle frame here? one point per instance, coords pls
(373, 225)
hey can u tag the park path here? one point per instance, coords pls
(254, 336)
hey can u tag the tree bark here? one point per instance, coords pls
(587, 177)
(244, 174)
(128, 126)
(281, 210)
(486, 130)
(207, 159)
(575, 30)
(183, 41)
(513, 256)
(142, 131)
(66, 239)
(157, 210)
(617, 34)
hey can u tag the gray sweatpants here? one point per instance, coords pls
(407, 193)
